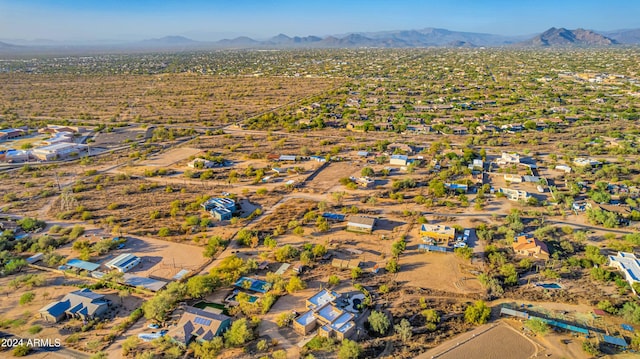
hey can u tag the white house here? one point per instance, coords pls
(58, 151)
(629, 265)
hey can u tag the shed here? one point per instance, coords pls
(361, 224)
(82, 265)
(34, 258)
(123, 262)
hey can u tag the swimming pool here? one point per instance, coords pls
(550, 286)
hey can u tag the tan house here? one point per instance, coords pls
(528, 246)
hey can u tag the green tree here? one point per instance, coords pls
(404, 330)
(510, 274)
(239, 333)
(379, 322)
(392, 266)
(477, 313)
(207, 348)
(356, 272)
(431, 316)
(295, 284)
(27, 298)
(333, 280)
(537, 326)
(367, 172)
(200, 285)
(159, 307)
(349, 349)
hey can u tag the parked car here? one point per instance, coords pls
(153, 326)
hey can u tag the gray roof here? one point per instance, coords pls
(82, 301)
(362, 221)
(197, 322)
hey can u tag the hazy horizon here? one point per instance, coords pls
(120, 20)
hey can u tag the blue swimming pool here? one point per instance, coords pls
(549, 286)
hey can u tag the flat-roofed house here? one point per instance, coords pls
(58, 151)
(323, 313)
(629, 265)
(438, 231)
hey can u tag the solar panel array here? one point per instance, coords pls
(202, 321)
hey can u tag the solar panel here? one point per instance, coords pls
(202, 321)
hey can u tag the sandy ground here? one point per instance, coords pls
(170, 157)
(161, 259)
(485, 342)
(57, 286)
(440, 271)
(327, 179)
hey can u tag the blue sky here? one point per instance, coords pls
(81, 20)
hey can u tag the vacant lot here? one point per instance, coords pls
(170, 157)
(499, 341)
(440, 271)
(328, 177)
(158, 98)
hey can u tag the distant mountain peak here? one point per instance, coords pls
(558, 37)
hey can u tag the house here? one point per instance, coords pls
(401, 147)
(508, 158)
(486, 129)
(220, 208)
(345, 263)
(199, 325)
(60, 129)
(438, 232)
(323, 312)
(361, 224)
(59, 137)
(289, 158)
(83, 304)
(363, 154)
(514, 194)
(513, 178)
(399, 160)
(456, 187)
(529, 246)
(8, 226)
(11, 133)
(201, 163)
(58, 151)
(16, 156)
(564, 168)
(459, 130)
(629, 265)
(365, 182)
(123, 262)
(582, 162)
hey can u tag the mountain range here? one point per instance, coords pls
(428, 37)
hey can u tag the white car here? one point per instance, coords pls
(460, 245)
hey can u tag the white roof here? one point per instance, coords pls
(628, 263)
